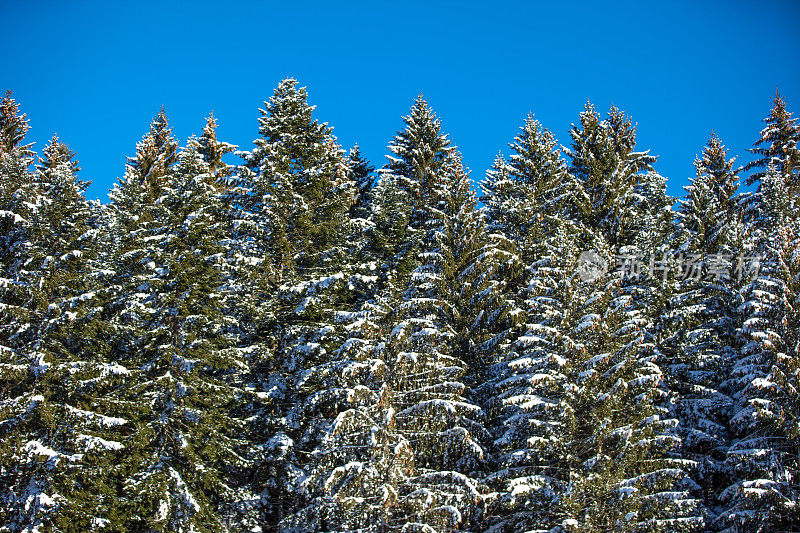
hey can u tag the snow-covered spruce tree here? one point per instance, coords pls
(605, 162)
(183, 466)
(362, 174)
(355, 460)
(534, 177)
(434, 354)
(130, 251)
(419, 153)
(359, 461)
(55, 426)
(762, 458)
(301, 186)
(777, 146)
(296, 185)
(701, 320)
(621, 474)
(17, 203)
(530, 411)
(527, 200)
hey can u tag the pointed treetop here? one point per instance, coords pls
(57, 153)
(623, 130)
(420, 149)
(287, 110)
(13, 124)
(714, 161)
(777, 145)
(212, 149)
(536, 157)
(360, 169)
(155, 153)
(710, 202)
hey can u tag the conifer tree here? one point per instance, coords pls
(441, 345)
(294, 195)
(762, 458)
(777, 146)
(16, 210)
(621, 437)
(531, 390)
(702, 319)
(605, 162)
(300, 188)
(419, 154)
(526, 200)
(56, 425)
(181, 466)
(361, 173)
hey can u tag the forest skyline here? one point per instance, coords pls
(680, 70)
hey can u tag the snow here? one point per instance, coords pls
(90, 442)
(102, 420)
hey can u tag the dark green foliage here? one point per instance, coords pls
(301, 343)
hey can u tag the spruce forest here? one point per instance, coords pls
(303, 342)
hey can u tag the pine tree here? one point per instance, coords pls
(700, 335)
(361, 174)
(534, 177)
(135, 217)
(16, 210)
(57, 427)
(526, 200)
(181, 467)
(13, 125)
(531, 391)
(300, 188)
(294, 197)
(621, 475)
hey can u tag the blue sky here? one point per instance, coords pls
(97, 72)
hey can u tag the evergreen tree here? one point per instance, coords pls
(13, 125)
(605, 162)
(420, 153)
(526, 200)
(777, 146)
(762, 458)
(700, 336)
(531, 391)
(361, 174)
(621, 474)
(301, 188)
(182, 466)
(57, 426)
(16, 210)
(437, 344)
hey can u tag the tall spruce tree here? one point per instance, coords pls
(702, 318)
(301, 185)
(181, 468)
(621, 474)
(527, 199)
(763, 458)
(430, 350)
(56, 422)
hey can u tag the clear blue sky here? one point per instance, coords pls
(97, 72)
